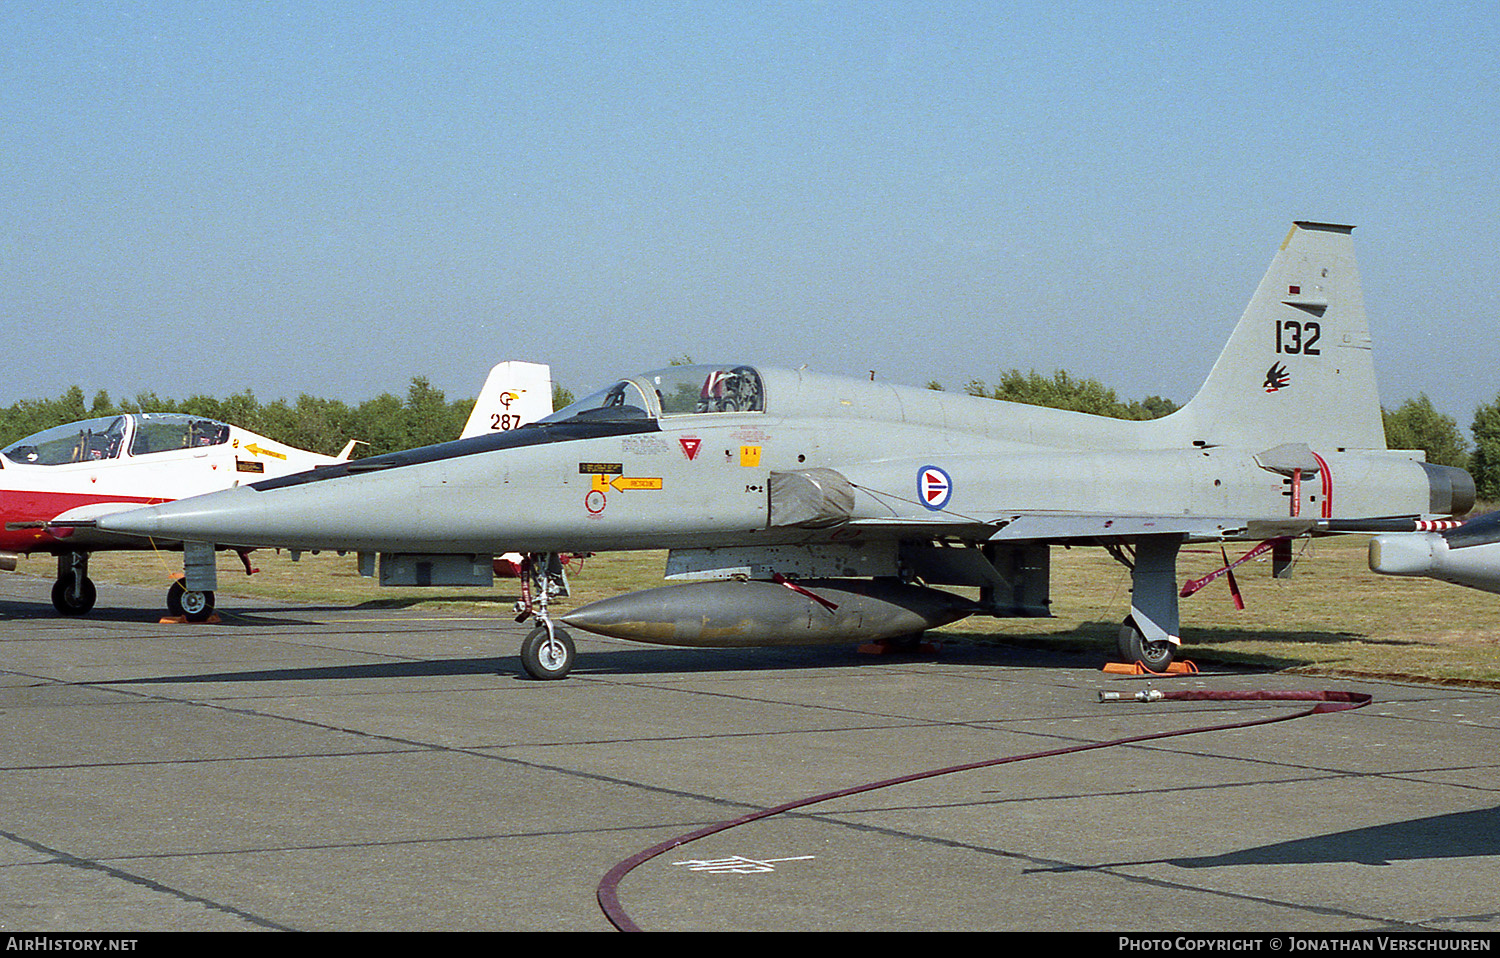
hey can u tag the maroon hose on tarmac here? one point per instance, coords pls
(1327, 701)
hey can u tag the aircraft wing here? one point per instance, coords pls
(822, 498)
(1053, 527)
(1070, 526)
(972, 530)
(1062, 527)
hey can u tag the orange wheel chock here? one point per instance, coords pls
(1139, 668)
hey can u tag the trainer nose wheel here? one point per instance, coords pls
(73, 594)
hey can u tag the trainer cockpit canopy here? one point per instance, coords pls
(111, 437)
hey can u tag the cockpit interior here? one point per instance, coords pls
(673, 391)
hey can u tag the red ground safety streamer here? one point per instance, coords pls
(780, 579)
(1327, 701)
(1193, 585)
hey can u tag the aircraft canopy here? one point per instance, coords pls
(673, 391)
(110, 437)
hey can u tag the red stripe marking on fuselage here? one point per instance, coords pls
(1327, 487)
(28, 506)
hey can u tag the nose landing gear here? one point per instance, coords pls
(547, 652)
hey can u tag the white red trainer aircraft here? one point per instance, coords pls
(84, 470)
(55, 483)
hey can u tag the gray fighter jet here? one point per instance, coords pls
(807, 508)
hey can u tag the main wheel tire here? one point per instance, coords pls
(547, 656)
(63, 600)
(193, 606)
(1155, 656)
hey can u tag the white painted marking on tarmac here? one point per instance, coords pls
(738, 865)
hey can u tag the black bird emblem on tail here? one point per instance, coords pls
(1276, 378)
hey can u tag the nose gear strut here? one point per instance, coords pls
(547, 652)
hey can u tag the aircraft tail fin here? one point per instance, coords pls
(1298, 366)
(514, 394)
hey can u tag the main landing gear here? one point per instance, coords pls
(1135, 647)
(1149, 635)
(73, 593)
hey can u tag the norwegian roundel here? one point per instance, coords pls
(934, 487)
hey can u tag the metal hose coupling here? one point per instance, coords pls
(1149, 695)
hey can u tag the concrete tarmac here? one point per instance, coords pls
(328, 769)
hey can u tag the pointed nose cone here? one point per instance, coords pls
(219, 517)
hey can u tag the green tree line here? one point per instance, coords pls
(1415, 424)
(1063, 391)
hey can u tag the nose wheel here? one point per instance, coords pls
(73, 593)
(547, 652)
(192, 606)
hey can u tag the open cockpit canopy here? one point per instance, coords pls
(673, 391)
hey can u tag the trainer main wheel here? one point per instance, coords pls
(547, 654)
(65, 602)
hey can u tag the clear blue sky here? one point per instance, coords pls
(334, 197)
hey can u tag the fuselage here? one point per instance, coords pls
(657, 461)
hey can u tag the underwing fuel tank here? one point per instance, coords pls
(756, 612)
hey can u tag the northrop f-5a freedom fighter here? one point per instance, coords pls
(807, 508)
